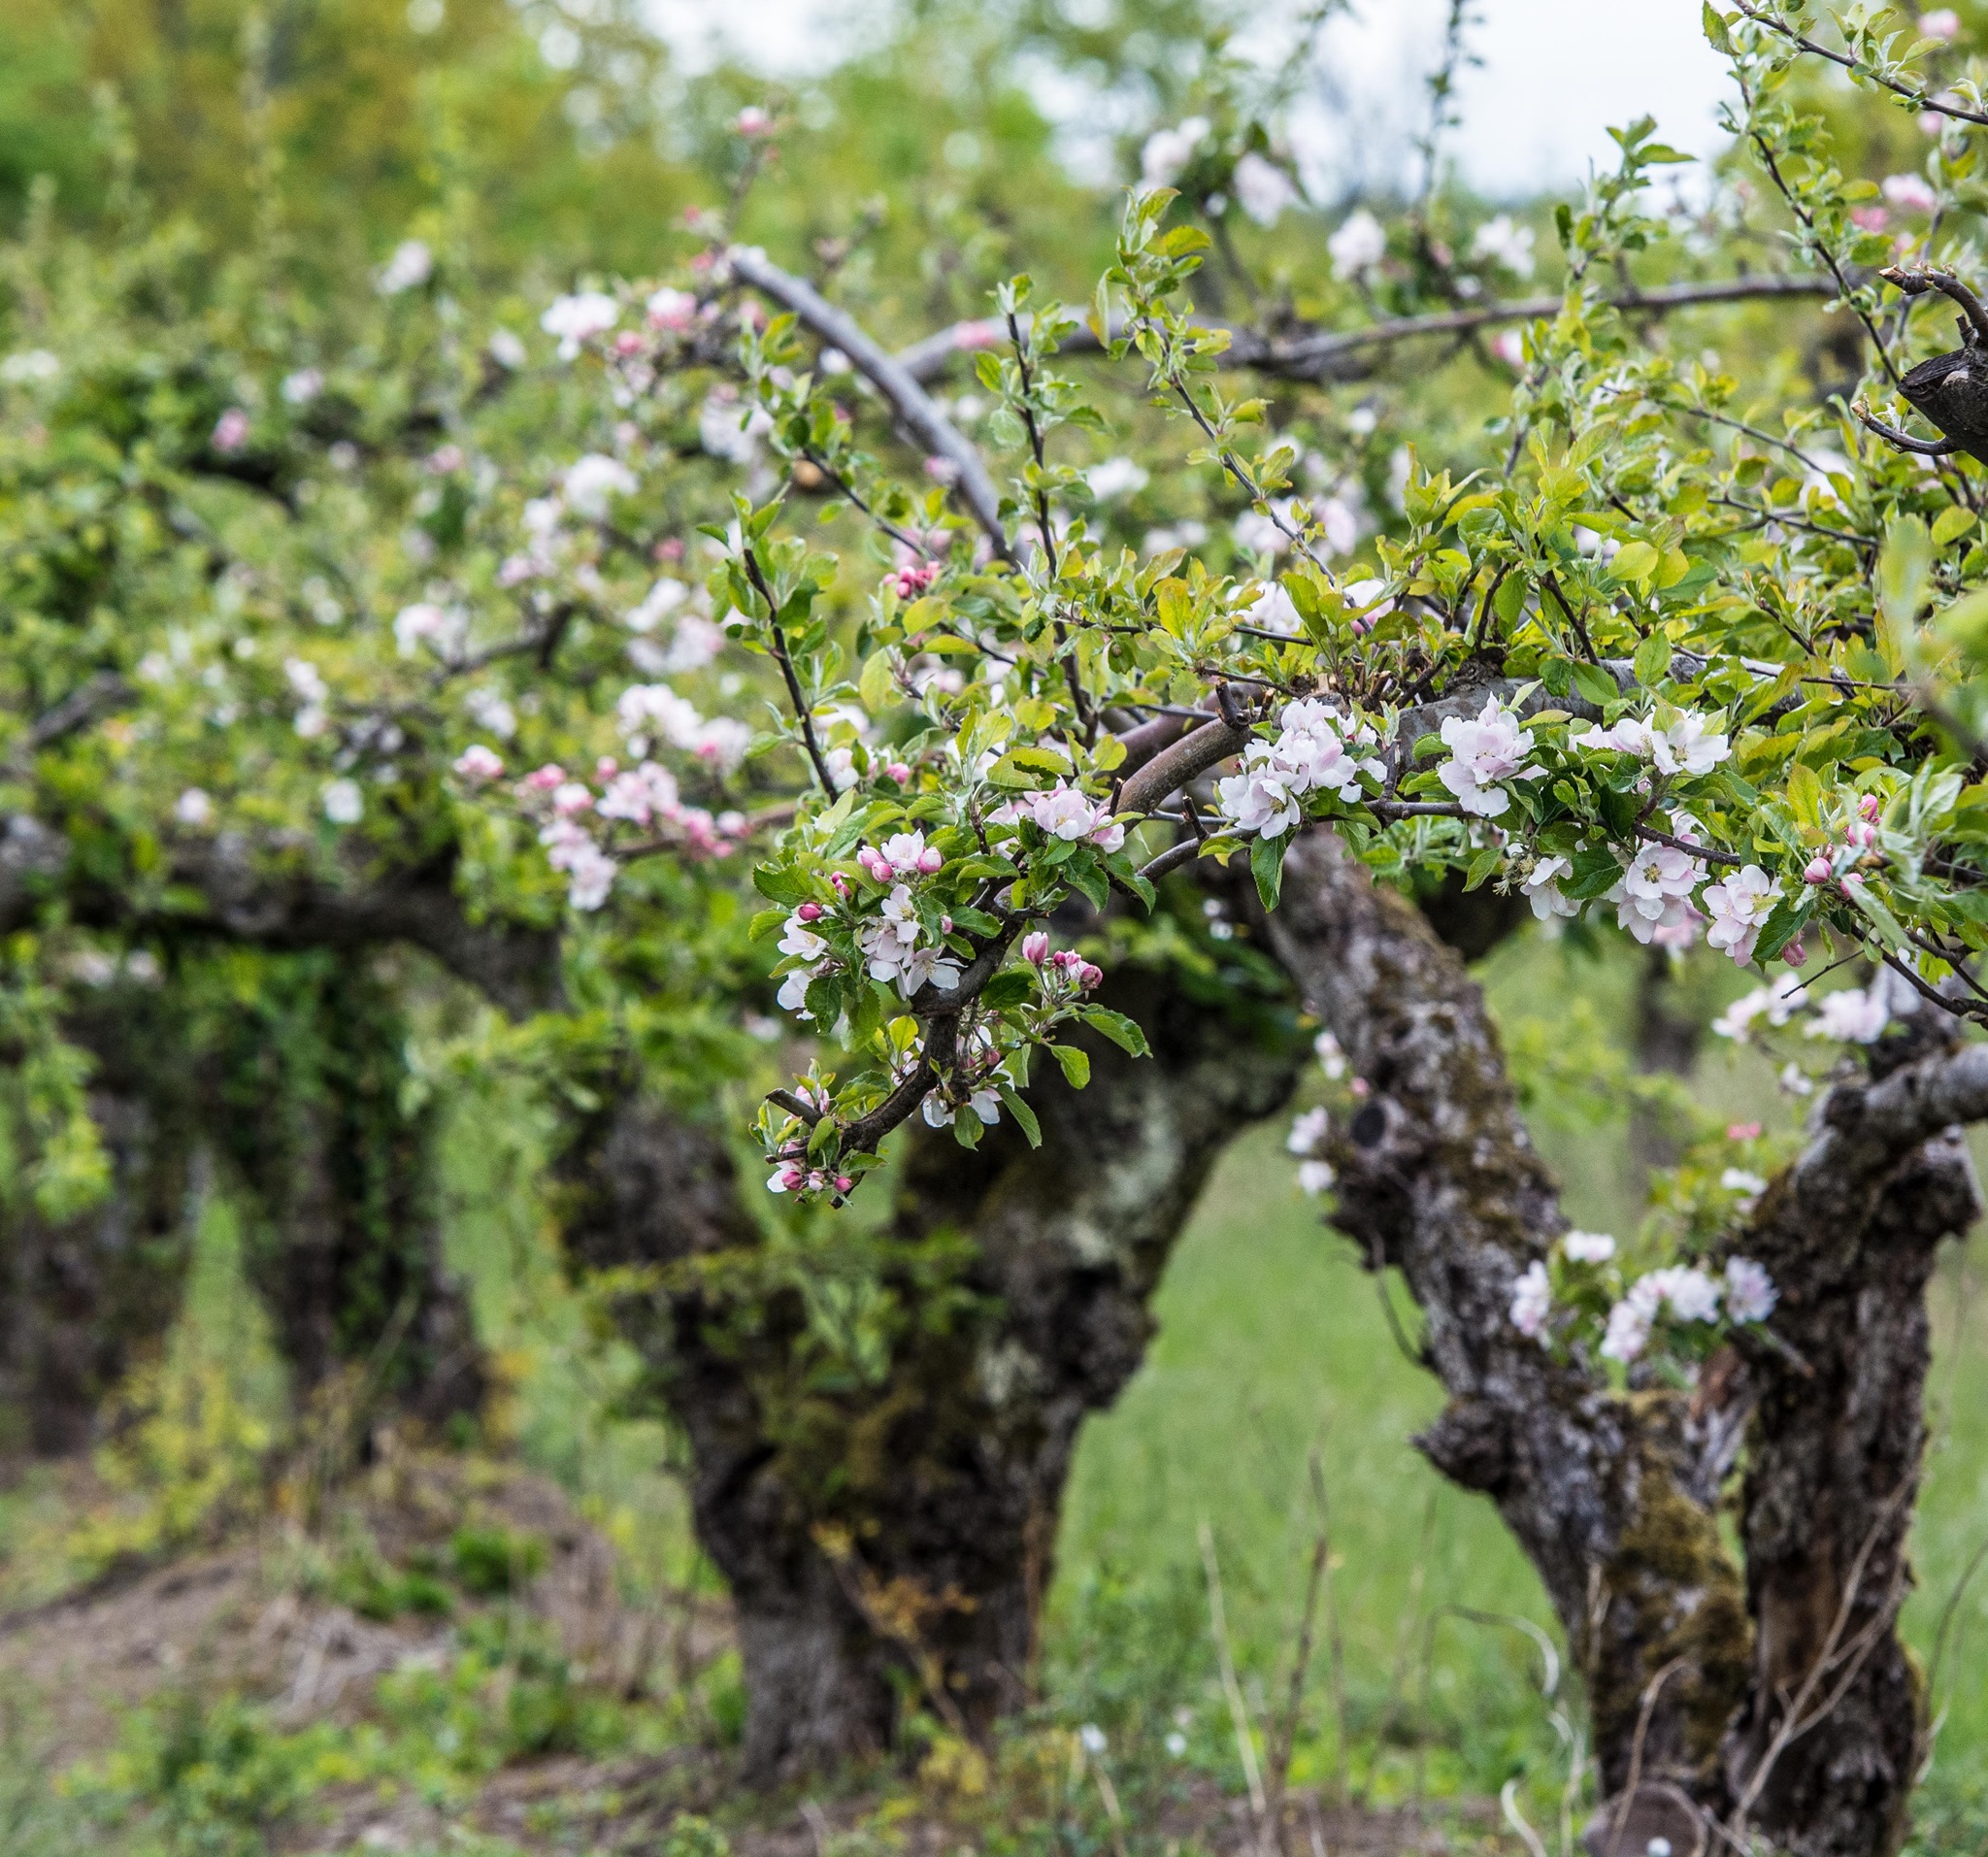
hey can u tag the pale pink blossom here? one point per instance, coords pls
(1738, 906)
(1485, 749)
(478, 763)
(1532, 1302)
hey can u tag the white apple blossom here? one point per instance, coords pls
(410, 266)
(477, 763)
(28, 367)
(1307, 1131)
(672, 309)
(1116, 478)
(577, 319)
(1776, 1004)
(1750, 1293)
(418, 625)
(987, 1105)
(507, 349)
(1588, 1248)
(727, 431)
(1653, 898)
(1909, 192)
(194, 808)
(1332, 1060)
(1167, 151)
(1693, 1296)
(1485, 749)
(489, 709)
(1505, 242)
(1856, 1015)
(344, 803)
(1687, 745)
(1940, 22)
(1532, 1302)
(1738, 906)
(301, 387)
(1358, 245)
(1542, 890)
(1315, 1178)
(593, 483)
(1066, 813)
(1263, 189)
(1628, 1331)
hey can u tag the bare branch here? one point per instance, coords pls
(910, 401)
(1319, 354)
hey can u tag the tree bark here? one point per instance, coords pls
(1827, 1749)
(882, 1499)
(1785, 1703)
(1610, 1499)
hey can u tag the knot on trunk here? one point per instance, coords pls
(1471, 1444)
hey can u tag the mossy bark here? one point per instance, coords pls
(1611, 1499)
(1778, 1698)
(886, 1524)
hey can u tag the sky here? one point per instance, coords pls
(1554, 75)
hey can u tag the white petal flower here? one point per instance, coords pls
(1588, 1248)
(1855, 1016)
(1358, 245)
(344, 803)
(1168, 151)
(411, 265)
(577, 319)
(1738, 906)
(1750, 1293)
(1505, 242)
(1532, 1302)
(1263, 189)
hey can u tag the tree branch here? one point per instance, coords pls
(1316, 354)
(910, 401)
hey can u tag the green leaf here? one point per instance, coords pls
(1653, 660)
(764, 922)
(777, 885)
(1123, 1031)
(1084, 874)
(1715, 32)
(1267, 866)
(1805, 794)
(1024, 1116)
(1634, 561)
(1596, 684)
(877, 687)
(1951, 524)
(1076, 1065)
(1595, 871)
(1010, 987)
(1904, 568)
(1785, 920)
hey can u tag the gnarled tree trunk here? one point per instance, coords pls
(80, 1296)
(1780, 1699)
(890, 1516)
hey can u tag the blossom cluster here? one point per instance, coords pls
(1318, 750)
(1682, 1294)
(578, 824)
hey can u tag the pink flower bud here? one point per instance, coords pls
(843, 1183)
(670, 550)
(1742, 1131)
(606, 768)
(899, 772)
(546, 778)
(1359, 1086)
(810, 912)
(1065, 960)
(1089, 975)
(945, 925)
(1851, 883)
(1860, 834)
(628, 342)
(841, 883)
(874, 863)
(931, 860)
(1868, 809)
(752, 120)
(1795, 955)
(1817, 870)
(1034, 947)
